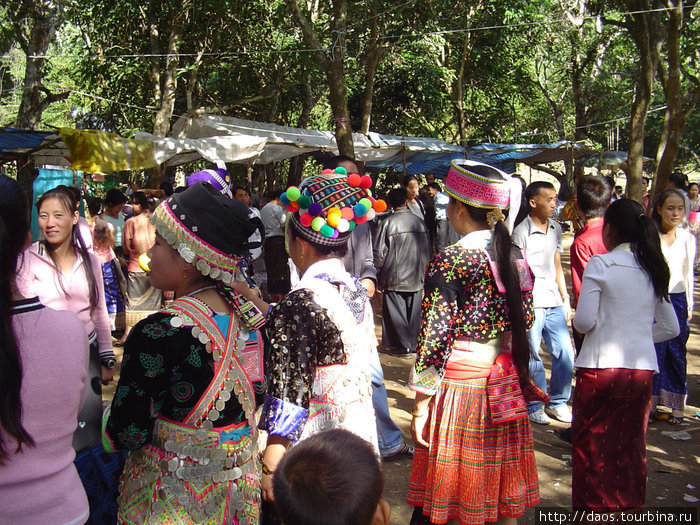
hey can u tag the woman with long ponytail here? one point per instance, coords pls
(622, 309)
(65, 276)
(678, 246)
(474, 458)
(43, 370)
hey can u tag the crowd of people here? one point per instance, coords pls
(250, 388)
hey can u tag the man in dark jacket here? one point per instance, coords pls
(401, 251)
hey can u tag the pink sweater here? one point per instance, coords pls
(40, 484)
(37, 275)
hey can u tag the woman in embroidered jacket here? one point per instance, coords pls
(192, 376)
(322, 332)
(474, 459)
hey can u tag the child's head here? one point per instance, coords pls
(542, 197)
(593, 196)
(332, 477)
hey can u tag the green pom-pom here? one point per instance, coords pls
(351, 225)
(341, 171)
(369, 192)
(326, 231)
(293, 193)
(318, 223)
(304, 202)
(366, 203)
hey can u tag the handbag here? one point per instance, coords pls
(505, 398)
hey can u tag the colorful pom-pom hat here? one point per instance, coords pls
(483, 186)
(218, 178)
(327, 207)
(208, 230)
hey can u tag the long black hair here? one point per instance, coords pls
(655, 215)
(628, 223)
(506, 255)
(67, 200)
(14, 226)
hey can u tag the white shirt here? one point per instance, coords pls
(255, 237)
(540, 247)
(679, 257)
(441, 201)
(616, 310)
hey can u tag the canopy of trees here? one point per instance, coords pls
(617, 74)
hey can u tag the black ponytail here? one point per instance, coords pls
(506, 255)
(14, 226)
(629, 224)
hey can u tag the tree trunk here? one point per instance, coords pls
(678, 105)
(334, 68)
(373, 57)
(33, 105)
(296, 164)
(645, 31)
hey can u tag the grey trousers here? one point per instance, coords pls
(401, 319)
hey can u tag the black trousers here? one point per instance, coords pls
(401, 319)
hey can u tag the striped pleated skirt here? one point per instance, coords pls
(472, 472)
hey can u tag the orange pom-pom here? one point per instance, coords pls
(347, 213)
(379, 206)
(354, 180)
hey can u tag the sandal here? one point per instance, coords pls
(675, 420)
(406, 451)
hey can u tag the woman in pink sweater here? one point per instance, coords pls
(42, 384)
(65, 276)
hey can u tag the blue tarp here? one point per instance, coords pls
(501, 156)
(12, 139)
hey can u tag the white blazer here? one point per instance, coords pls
(616, 310)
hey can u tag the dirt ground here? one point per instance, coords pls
(673, 466)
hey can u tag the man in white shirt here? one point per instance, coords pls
(541, 238)
(446, 234)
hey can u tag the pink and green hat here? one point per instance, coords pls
(483, 186)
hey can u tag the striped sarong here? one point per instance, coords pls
(472, 472)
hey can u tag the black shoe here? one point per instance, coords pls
(406, 451)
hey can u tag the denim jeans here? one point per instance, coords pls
(389, 435)
(550, 323)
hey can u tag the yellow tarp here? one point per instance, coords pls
(96, 151)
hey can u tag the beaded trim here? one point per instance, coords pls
(208, 260)
(475, 190)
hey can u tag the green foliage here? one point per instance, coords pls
(509, 65)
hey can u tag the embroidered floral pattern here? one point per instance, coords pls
(460, 300)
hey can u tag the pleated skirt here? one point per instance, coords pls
(473, 472)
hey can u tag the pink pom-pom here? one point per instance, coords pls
(327, 172)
